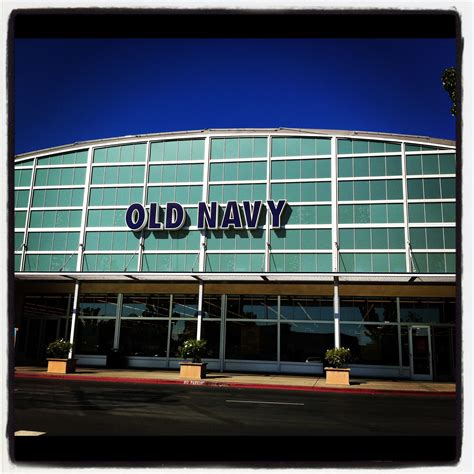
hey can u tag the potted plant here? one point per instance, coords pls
(58, 353)
(193, 349)
(337, 372)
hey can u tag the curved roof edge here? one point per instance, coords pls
(280, 130)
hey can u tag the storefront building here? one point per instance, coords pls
(272, 244)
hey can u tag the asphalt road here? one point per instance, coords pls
(60, 408)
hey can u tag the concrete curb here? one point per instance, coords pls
(157, 381)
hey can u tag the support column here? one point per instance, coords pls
(199, 312)
(74, 317)
(337, 335)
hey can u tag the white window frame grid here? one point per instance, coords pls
(207, 136)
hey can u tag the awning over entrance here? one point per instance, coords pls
(242, 277)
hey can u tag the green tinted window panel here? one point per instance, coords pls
(361, 166)
(177, 240)
(279, 146)
(156, 151)
(377, 166)
(170, 151)
(308, 146)
(308, 168)
(217, 172)
(360, 146)
(433, 212)
(17, 263)
(363, 262)
(170, 262)
(346, 214)
(396, 238)
(449, 237)
(447, 163)
(278, 169)
(393, 147)
(377, 147)
(345, 167)
(246, 147)
(106, 218)
(362, 213)
(450, 259)
(323, 169)
(430, 164)
(184, 150)
(361, 190)
(217, 148)
(372, 262)
(308, 262)
(23, 177)
(66, 241)
(346, 190)
(20, 219)
(344, 146)
(394, 189)
(241, 262)
(418, 237)
(18, 242)
(362, 238)
(302, 191)
(393, 165)
(448, 188)
(231, 148)
(346, 239)
(293, 146)
(57, 197)
(21, 198)
(183, 174)
(432, 188)
(378, 190)
(260, 147)
(21, 164)
(379, 238)
(435, 238)
(414, 166)
(323, 191)
(416, 213)
(413, 147)
(436, 263)
(395, 213)
(323, 146)
(380, 262)
(346, 262)
(397, 262)
(50, 263)
(110, 262)
(449, 212)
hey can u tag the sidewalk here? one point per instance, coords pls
(314, 383)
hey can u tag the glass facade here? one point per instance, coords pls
(353, 205)
(260, 328)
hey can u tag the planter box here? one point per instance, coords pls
(337, 376)
(192, 370)
(62, 366)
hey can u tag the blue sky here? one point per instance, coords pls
(69, 90)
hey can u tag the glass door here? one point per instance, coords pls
(421, 367)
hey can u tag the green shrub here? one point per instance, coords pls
(59, 349)
(338, 357)
(193, 349)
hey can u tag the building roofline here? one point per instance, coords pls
(238, 131)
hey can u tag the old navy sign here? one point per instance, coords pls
(210, 216)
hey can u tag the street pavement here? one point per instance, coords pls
(275, 381)
(148, 422)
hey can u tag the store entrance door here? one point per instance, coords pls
(419, 340)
